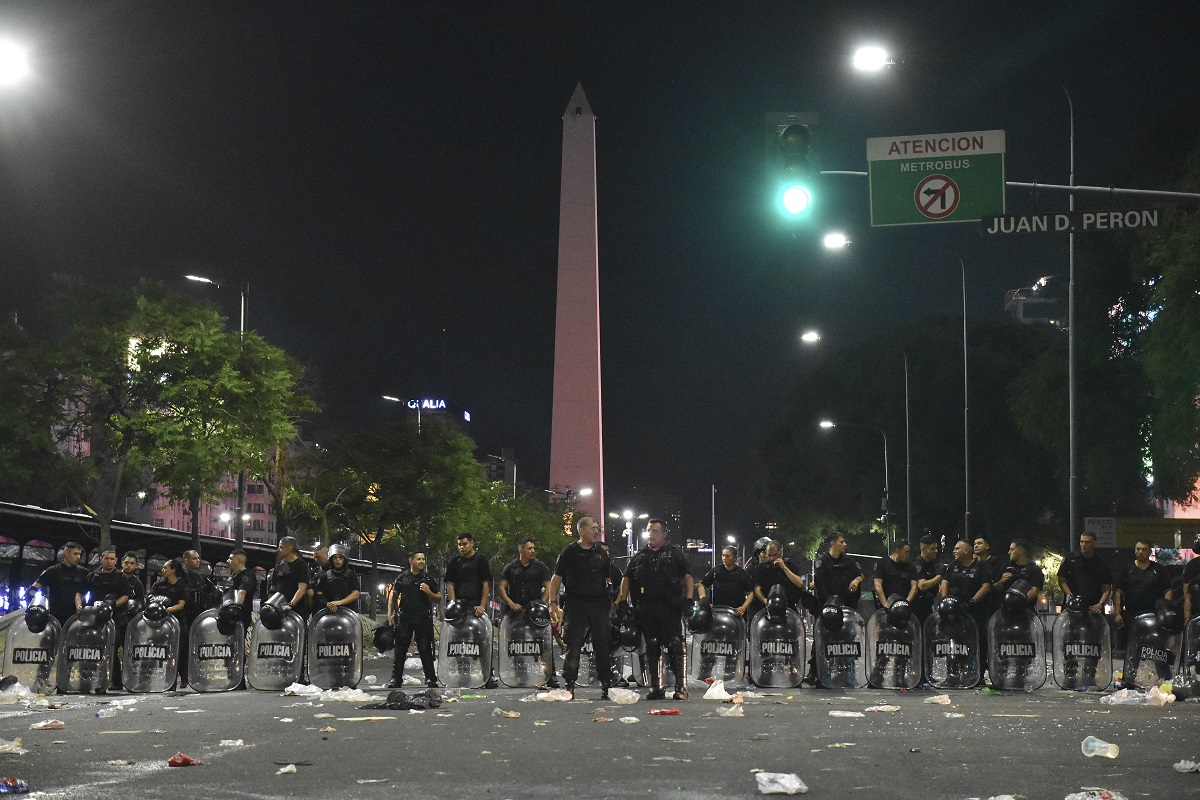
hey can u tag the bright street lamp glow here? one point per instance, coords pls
(731, 539)
(796, 199)
(871, 59)
(835, 241)
(13, 64)
(585, 491)
(810, 337)
(614, 515)
(828, 423)
(199, 279)
(389, 397)
(628, 514)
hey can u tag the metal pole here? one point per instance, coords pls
(887, 503)
(1073, 500)
(966, 422)
(907, 461)
(713, 558)
(239, 520)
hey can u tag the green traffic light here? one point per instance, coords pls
(796, 199)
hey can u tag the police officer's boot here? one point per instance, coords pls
(653, 658)
(677, 666)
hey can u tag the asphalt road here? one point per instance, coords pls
(1022, 745)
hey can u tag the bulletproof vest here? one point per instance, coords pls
(587, 573)
(657, 575)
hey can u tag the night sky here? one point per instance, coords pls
(385, 176)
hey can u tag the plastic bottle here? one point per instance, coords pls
(1098, 747)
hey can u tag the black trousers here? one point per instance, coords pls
(662, 626)
(584, 614)
(405, 630)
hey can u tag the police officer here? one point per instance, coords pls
(927, 572)
(202, 590)
(753, 564)
(1191, 581)
(410, 612)
(993, 568)
(243, 583)
(338, 586)
(290, 576)
(174, 587)
(775, 570)
(1021, 567)
(108, 583)
(316, 567)
(968, 581)
(838, 574)
(729, 584)
(659, 581)
(65, 583)
(893, 576)
(523, 580)
(1086, 575)
(583, 567)
(129, 568)
(1139, 586)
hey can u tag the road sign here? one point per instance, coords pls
(1072, 222)
(1125, 532)
(941, 177)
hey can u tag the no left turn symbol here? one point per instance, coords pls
(936, 196)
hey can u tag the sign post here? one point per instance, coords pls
(940, 177)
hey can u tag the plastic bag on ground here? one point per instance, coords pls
(17, 693)
(47, 725)
(1096, 794)
(846, 714)
(938, 700)
(731, 711)
(1157, 697)
(780, 783)
(623, 697)
(1179, 766)
(557, 695)
(301, 690)
(12, 748)
(1124, 697)
(717, 692)
(500, 712)
(345, 695)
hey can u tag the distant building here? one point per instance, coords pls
(1043, 302)
(164, 513)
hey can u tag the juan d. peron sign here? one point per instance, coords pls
(1072, 222)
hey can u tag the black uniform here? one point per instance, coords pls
(61, 583)
(728, 587)
(287, 578)
(468, 576)
(245, 581)
(993, 570)
(525, 583)
(897, 579)
(1141, 589)
(923, 570)
(202, 593)
(1191, 583)
(333, 585)
(834, 576)
(112, 586)
(1031, 573)
(414, 617)
(656, 580)
(768, 575)
(137, 589)
(1086, 576)
(174, 592)
(965, 582)
(586, 575)
(752, 569)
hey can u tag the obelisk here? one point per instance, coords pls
(576, 432)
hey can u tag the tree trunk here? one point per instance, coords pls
(375, 566)
(194, 510)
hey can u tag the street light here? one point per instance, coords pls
(14, 65)
(871, 58)
(835, 240)
(239, 530)
(629, 515)
(810, 337)
(887, 503)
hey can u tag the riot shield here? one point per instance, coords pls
(1016, 650)
(1082, 651)
(151, 661)
(777, 657)
(276, 657)
(31, 644)
(719, 652)
(465, 652)
(524, 651)
(217, 650)
(839, 641)
(894, 652)
(951, 640)
(1149, 653)
(85, 654)
(335, 649)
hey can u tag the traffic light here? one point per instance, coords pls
(794, 175)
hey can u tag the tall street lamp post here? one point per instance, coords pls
(887, 503)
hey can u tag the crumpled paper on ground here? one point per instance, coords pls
(12, 748)
(1132, 697)
(938, 700)
(1179, 766)
(47, 725)
(329, 695)
(1096, 794)
(780, 783)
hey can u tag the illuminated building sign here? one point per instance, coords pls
(428, 404)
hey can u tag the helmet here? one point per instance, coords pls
(228, 616)
(1013, 601)
(899, 612)
(949, 609)
(385, 638)
(630, 634)
(701, 618)
(1075, 604)
(37, 617)
(455, 610)
(761, 544)
(156, 608)
(1169, 619)
(831, 614)
(537, 614)
(271, 616)
(777, 604)
(133, 607)
(339, 550)
(103, 612)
